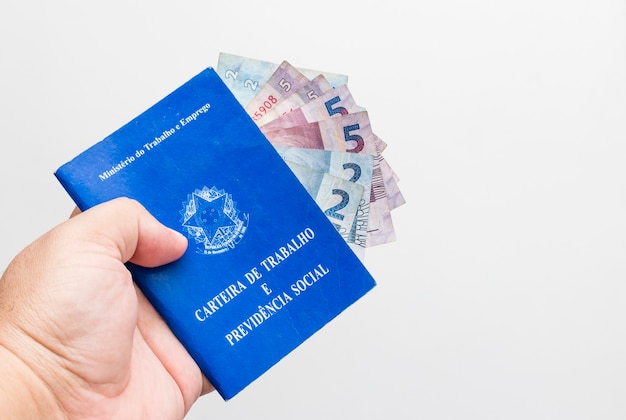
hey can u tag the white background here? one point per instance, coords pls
(504, 294)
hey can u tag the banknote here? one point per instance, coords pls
(313, 89)
(390, 178)
(374, 214)
(352, 167)
(284, 82)
(338, 198)
(350, 133)
(380, 229)
(337, 101)
(347, 133)
(335, 79)
(245, 75)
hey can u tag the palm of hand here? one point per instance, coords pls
(96, 343)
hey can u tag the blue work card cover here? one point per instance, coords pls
(265, 268)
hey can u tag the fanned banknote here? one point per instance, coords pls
(350, 133)
(335, 102)
(346, 132)
(285, 81)
(244, 76)
(338, 198)
(352, 167)
(315, 124)
(313, 89)
(334, 79)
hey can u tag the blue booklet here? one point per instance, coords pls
(265, 268)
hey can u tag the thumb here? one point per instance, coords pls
(130, 230)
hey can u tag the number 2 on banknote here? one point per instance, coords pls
(251, 84)
(356, 171)
(334, 210)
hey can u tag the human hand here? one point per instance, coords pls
(77, 338)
